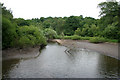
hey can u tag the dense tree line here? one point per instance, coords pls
(21, 32)
(18, 32)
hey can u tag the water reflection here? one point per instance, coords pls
(7, 65)
(108, 66)
(57, 61)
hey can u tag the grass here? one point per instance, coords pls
(112, 40)
(98, 40)
(91, 39)
(76, 37)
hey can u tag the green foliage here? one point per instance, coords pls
(110, 20)
(6, 13)
(19, 32)
(86, 38)
(101, 39)
(91, 39)
(93, 30)
(50, 33)
(97, 40)
(22, 22)
(109, 8)
(8, 32)
(71, 24)
(8, 28)
(112, 40)
(76, 37)
(59, 37)
(30, 36)
(78, 32)
(67, 37)
(24, 41)
(85, 31)
(110, 32)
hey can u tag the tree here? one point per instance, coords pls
(8, 32)
(110, 32)
(42, 19)
(85, 31)
(22, 22)
(6, 13)
(109, 10)
(8, 28)
(93, 30)
(50, 33)
(58, 25)
(71, 24)
(30, 36)
(78, 32)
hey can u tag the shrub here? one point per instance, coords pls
(30, 36)
(110, 32)
(97, 40)
(86, 38)
(59, 37)
(50, 33)
(67, 37)
(78, 32)
(24, 41)
(76, 37)
(113, 40)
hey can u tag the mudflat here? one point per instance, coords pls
(109, 49)
(14, 53)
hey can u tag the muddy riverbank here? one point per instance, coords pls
(109, 49)
(15, 53)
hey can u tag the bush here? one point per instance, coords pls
(78, 31)
(67, 37)
(97, 40)
(76, 37)
(24, 41)
(50, 33)
(30, 36)
(59, 37)
(86, 38)
(113, 40)
(110, 32)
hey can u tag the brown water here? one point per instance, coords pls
(57, 61)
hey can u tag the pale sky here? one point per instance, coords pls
(28, 9)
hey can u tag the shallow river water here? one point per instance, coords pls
(56, 61)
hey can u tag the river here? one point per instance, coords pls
(56, 61)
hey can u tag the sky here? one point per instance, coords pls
(29, 9)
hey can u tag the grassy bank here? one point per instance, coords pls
(91, 39)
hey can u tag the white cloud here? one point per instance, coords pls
(56, 8)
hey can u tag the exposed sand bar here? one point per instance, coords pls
(109, 49)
